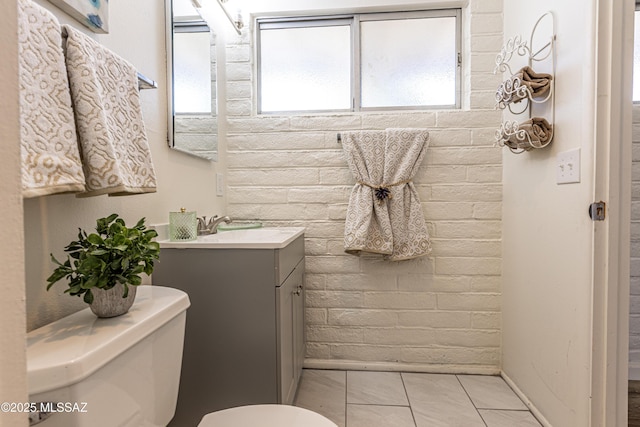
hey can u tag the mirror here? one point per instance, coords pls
(191, 81)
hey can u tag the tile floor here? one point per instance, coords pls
(394, 399)
(634, 404)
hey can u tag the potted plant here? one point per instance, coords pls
(107, 265)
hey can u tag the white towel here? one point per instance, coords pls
(113, 141)
(384, 215)
(49, 145)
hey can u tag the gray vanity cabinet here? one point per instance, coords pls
(244, 338)
(290, 328)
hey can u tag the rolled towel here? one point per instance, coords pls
(539, 84)
(104, 88)
(533, 133)
(48, 141)
(526, 83)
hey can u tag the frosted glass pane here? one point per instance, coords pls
(636, 59)
(408, 62)
(192, 72)
(305, 69)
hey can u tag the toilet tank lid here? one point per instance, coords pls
(70, 349)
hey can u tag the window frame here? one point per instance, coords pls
(354, 20)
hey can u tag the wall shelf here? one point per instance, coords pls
(525, 88)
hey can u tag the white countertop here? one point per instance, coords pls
(256, 238)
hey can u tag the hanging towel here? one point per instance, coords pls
(48, 142)
(384, 215)
(113, 141)
(523, 84)
(533, 133)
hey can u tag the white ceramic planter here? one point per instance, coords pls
(109, 303)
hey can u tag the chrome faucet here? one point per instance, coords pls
(211, 226)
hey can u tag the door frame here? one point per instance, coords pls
(611, 244)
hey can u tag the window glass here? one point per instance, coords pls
(305, 69)
(357, 62)
(399, 73)
(192, 72)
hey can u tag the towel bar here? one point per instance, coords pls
(146, 83)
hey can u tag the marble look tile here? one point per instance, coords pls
(490, 392)
(379, 416)
(438, 400)
(323, 392)
(497, 418)
(376, 388)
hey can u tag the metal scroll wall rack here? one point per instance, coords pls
(525, 88)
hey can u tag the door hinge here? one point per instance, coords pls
(597, 211)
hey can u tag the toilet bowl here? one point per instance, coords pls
(83, 371)
(265, 416)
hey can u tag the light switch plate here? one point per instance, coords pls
(568, 167)
(219, 184)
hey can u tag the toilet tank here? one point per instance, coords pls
(121, 371)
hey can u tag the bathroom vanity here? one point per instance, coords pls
(244, 340)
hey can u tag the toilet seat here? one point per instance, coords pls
(265, 416)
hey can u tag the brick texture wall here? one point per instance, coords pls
(440, 313)
(634, 324)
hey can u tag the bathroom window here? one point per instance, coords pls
(381, 61)
(192, 67)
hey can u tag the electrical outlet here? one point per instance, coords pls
(568, 167)
(219, 184)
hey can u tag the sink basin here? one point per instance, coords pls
(257, 238)
(239, 226)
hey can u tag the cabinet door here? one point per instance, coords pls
(289, 295)
(298, 324)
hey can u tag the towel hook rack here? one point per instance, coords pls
(521, 137)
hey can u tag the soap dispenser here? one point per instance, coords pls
(183, 226)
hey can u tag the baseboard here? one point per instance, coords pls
(356, 365)
(536, 413)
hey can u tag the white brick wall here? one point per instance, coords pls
(196, 134)
(634, 322)
(430, 313)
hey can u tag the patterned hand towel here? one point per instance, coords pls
(113, 140)
(384, 215)
(49, 145)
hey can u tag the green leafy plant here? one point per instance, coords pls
(114, 254)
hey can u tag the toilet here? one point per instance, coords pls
(83, 371)
(120, 371)
(265, 416)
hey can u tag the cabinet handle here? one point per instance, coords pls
(298, 290)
